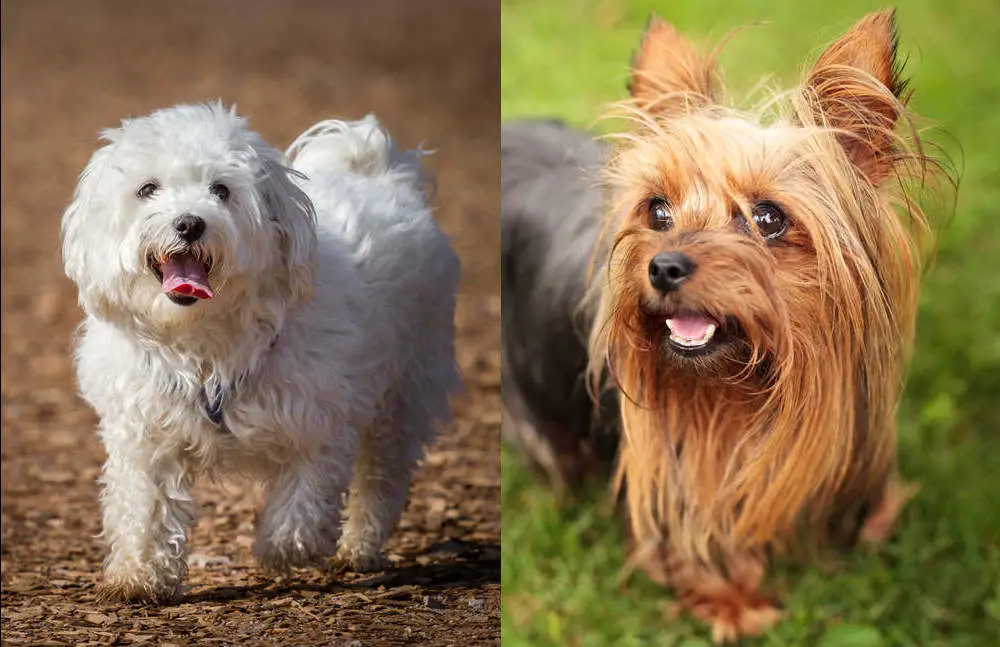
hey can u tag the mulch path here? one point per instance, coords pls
(72, 68)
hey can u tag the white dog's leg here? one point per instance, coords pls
(300, 523)
(390, 452)
(147, 511)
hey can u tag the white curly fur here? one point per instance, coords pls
(329, 338)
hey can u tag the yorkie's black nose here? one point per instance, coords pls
(668, 270)
(189, 228)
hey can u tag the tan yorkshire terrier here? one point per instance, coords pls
(749, 286)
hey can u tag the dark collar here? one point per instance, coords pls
(211, 405)
(215, 396)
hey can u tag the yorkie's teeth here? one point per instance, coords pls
(692, 343)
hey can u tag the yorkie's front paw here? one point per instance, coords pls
(731, 617)
(732, 606)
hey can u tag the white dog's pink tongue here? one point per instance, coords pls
(184, 274)
(691, 330)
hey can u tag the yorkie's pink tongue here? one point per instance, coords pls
(692, 327)
(184, 274)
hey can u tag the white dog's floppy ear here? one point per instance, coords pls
(85, 249)
(290, 208)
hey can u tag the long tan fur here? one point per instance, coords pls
(784, 438)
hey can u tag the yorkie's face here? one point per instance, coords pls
(714, 248)
(748, 245)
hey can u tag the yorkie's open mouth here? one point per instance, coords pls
(689, 333)
(183, 275)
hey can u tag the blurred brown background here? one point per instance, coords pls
(430, 71)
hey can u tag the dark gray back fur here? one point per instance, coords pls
(552, 216)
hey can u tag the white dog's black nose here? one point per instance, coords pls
(668, 270)
(189, 228)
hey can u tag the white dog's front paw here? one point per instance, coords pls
(143, 585)
(360, 557)
(280, 559)
(281, 554)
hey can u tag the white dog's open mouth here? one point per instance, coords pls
(184, 277)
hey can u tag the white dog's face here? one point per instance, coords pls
(184, 212)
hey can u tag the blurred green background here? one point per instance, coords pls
(937, 582)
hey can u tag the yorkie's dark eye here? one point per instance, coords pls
(147, 190)
(659, 215)
(221, 191)
(770, 220)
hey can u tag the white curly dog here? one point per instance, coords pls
(285, 317)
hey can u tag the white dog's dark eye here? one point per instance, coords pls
(659, 215)
(147, 190)
(221, 191)
(770, 220)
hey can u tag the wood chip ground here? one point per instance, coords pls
(72, 68)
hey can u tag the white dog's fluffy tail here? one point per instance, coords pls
(362, 147)
(372, 203)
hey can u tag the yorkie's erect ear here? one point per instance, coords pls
(668, 73)
(856, 88)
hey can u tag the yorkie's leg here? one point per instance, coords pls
(726, 599)
(300, 523)
(147, 510)
(878, 525)
(558, 449)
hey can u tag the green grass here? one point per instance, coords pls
(937, 582)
